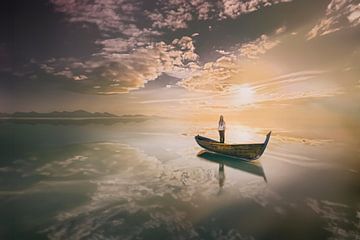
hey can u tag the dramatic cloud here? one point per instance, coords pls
(175, 14)
(115, 15)
(339, 14)
(132, 51)
(108, 15)
(136, 39)
(213, 77)
(227, 71)
(234, 8)
(257, 47)
(111, 71)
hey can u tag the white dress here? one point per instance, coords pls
(222, 126)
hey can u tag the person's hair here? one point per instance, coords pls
(221, 119)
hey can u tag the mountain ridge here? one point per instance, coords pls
(59, 114)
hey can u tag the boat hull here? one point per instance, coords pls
(243, 151)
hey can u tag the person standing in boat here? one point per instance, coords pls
(221, 129)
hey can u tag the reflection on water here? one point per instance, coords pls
(245, 166)
(144, 180)
(221, 175)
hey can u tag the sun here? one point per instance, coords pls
(242, 95)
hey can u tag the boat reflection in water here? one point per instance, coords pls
(254, 168)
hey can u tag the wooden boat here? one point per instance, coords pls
(244, 151)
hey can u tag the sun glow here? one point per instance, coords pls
(243, 95)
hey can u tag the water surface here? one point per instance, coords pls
(147, 179)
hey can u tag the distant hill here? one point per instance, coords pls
(56, 114)
(133, 115)
(79, 117)
(4, 114)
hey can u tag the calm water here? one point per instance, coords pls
(149, 180)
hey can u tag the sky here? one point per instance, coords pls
(279, 60)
